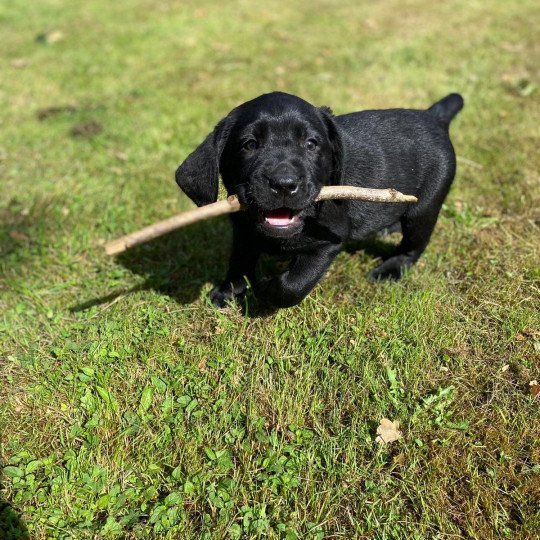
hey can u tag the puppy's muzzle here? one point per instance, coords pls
(284, 184)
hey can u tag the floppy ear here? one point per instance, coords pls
(337, 145)
(198, 175)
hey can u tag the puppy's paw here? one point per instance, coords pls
(392, 269)
(226, 292)
(276, 292)
(268, 290)
(261, 286)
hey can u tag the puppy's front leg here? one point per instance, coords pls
(306, 270)
(242, 262)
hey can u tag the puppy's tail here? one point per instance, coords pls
(445, 109)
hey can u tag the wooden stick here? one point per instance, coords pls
(364, 194)
(231, 204)
(228, 206)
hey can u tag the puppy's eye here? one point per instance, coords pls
(311, 144)
(250, 145)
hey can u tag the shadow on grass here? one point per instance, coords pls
(178, 264)
(375, 246)
(12, 527)
(181, 263)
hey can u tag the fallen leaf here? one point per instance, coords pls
(19, 63)
(371, 23)
(16, 235)
(388, 431)
(534, 388)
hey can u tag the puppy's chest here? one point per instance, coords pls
(284, 246)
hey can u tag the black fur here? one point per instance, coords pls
(277, 151)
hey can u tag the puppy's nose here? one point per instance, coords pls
(284, 184)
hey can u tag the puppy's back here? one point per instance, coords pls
(405, 149)
(393, 148)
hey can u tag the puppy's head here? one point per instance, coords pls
(275, 152)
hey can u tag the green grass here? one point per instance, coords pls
(130, 408)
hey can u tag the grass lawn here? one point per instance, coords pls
(131, 409)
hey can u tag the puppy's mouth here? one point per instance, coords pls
(281, 218)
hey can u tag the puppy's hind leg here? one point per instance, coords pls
(417, 231)
(418, 222)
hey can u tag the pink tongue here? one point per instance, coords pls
(279, 217)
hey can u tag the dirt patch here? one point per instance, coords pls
(86, 129)
(49, 112)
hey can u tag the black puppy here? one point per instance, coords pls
(277, 151)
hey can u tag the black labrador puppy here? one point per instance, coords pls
(277, 151)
